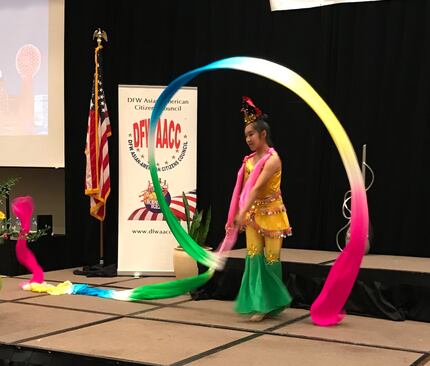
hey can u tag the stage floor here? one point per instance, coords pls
(181, 331)
(370, 261)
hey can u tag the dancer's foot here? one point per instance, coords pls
(258, 317)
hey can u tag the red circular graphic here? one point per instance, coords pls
(28, 59)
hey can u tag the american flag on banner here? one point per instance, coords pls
(176, 206)
(97, 179)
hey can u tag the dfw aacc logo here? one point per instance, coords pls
(170, 143)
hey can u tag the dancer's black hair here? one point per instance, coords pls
(261, 124)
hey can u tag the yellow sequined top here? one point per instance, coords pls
(268, 214)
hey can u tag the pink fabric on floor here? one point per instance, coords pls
(22, 207)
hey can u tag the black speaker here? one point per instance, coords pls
(43, 221)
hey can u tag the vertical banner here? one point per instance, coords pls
(145, 243)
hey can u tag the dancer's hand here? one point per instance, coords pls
(239, 220)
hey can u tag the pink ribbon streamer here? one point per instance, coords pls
(22, 207)
(328, 308)
(239, 197)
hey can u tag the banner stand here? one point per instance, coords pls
(145, 243)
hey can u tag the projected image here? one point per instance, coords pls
(24, 67)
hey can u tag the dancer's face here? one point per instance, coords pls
(253, 138)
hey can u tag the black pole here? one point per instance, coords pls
(7, 206)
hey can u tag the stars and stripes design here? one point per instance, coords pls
(97, 177)
(176, 205)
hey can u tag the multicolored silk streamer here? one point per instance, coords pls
(328, 307)
(146, 292)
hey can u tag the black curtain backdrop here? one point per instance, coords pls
(369, 61)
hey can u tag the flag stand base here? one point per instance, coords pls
(97, 270)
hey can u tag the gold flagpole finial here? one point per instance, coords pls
(100, 35)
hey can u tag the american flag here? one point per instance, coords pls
(97, 177)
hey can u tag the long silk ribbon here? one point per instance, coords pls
(327, 309)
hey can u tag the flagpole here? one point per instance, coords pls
(99, 35)
(101, 244)
(97, 174)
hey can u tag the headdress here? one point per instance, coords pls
(250, 111)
